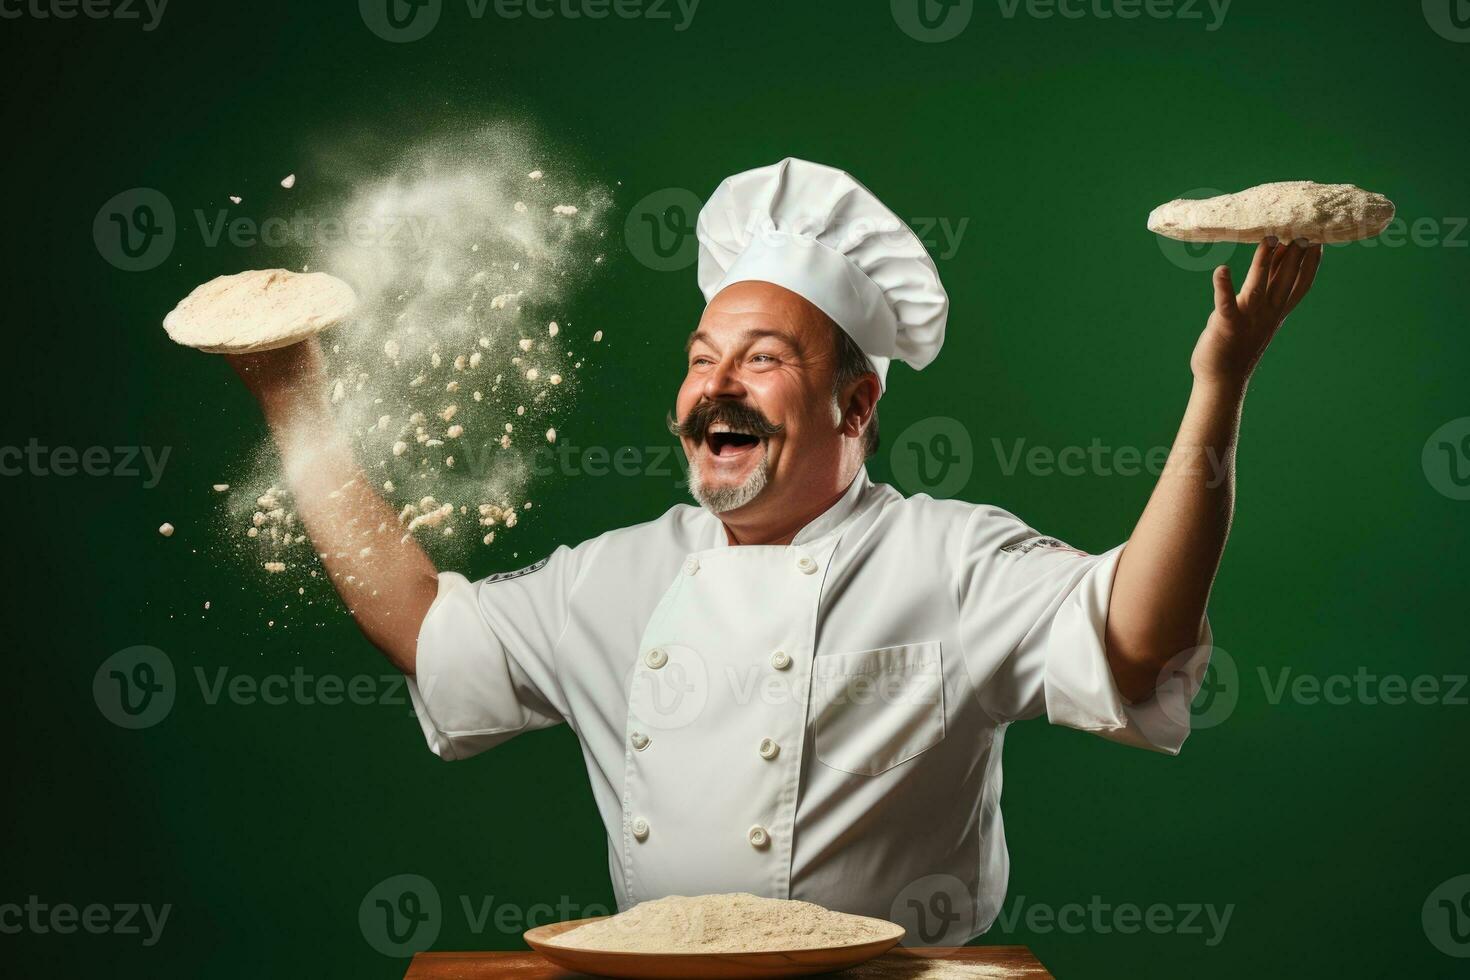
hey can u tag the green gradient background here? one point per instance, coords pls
(1326, 827)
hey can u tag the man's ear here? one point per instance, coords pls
(859, 402)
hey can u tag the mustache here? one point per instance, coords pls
(737, 415)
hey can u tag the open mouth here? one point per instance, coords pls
(724, 441)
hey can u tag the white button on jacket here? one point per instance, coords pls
(884, 652)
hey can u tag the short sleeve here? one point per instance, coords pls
(1033, 618)
(486, 667)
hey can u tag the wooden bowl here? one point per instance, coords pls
(705, 966)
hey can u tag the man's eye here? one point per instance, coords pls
(763, 358)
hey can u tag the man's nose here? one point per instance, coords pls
(724, 381)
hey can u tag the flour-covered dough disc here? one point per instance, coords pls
(1288, 209)
(259, 310)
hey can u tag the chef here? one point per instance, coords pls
(801, 687)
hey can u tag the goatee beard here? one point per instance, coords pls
(717, 500)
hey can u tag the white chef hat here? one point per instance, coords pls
(819, 233)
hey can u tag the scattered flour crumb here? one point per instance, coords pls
(288, 181)
(166, 529)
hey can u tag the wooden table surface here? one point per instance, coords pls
(530, 966)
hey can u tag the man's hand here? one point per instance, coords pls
(298, 371)
(1242, 325)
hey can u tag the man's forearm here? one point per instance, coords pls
(1164, 575)
(1163, 580)
(386, 579)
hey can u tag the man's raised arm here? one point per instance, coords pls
(387, 582)
(1168, 566)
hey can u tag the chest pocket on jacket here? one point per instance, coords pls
(874, 710)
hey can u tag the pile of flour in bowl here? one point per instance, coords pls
(733, 923)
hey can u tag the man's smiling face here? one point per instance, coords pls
(757, 416)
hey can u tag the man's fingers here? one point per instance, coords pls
(1224, 291)
(1260, 271)
(1277, 254)
(1284, 276)
(1305, 278)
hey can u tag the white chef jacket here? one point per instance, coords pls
(821, 720)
